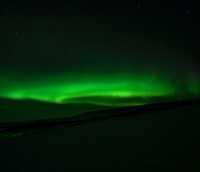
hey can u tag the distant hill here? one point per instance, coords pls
(17, 110)
(21, 110)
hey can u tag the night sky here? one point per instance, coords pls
(99, 52)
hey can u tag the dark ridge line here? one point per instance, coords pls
(87, 117)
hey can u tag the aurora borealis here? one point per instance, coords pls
(115, 86)
(99, 84)
(106, 59)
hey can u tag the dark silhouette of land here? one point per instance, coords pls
(25, 115)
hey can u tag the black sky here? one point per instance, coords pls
(53, 36)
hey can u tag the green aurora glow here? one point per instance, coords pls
(72, 60)
(97, 89)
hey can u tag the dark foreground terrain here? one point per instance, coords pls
(163, 138)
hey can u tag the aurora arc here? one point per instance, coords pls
(96, 89)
